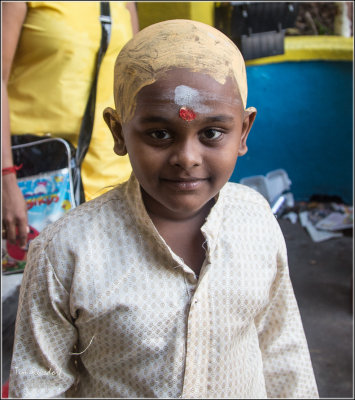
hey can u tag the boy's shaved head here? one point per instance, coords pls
(174, 44)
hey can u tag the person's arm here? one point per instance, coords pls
(42, 363)
(131, 6)
(14, 210)
(287, 364)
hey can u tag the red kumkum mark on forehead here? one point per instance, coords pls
(187, 114)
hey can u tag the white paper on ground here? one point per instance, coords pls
(335, 221)
(292, 216)
(316, 234)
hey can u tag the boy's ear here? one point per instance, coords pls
(113, 122)
(249, 117)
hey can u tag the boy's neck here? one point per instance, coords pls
(183, 235)
(197, 219)
(158, 212)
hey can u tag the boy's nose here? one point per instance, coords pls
(186, 154)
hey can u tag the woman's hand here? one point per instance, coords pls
(14, 211)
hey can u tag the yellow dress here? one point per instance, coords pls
(51, 79)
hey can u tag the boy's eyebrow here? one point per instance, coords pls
(219, 118)
(153, 118)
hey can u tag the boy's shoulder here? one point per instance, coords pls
(246, 211)
(89, 215)
(244, 195)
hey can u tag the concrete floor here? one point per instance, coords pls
(321, 274)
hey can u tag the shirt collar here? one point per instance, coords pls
(210, 228)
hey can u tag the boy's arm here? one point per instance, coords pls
(287, 365)
(44, 335)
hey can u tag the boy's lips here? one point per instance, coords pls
(184, 183)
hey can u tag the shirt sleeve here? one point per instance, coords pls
(287, 364)
(42, 365)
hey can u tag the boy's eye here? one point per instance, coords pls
(212, 134)
(160, 134)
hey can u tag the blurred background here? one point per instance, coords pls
(300, 78)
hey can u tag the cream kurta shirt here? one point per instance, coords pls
(103, 283)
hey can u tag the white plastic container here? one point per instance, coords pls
(258, 183)
(271, 186)
(278, 182)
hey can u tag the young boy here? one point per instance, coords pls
(175, 283)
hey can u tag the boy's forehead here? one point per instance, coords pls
(175, 44)
(189, 88)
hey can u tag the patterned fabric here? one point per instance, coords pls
(51, 77)
(103, 283)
